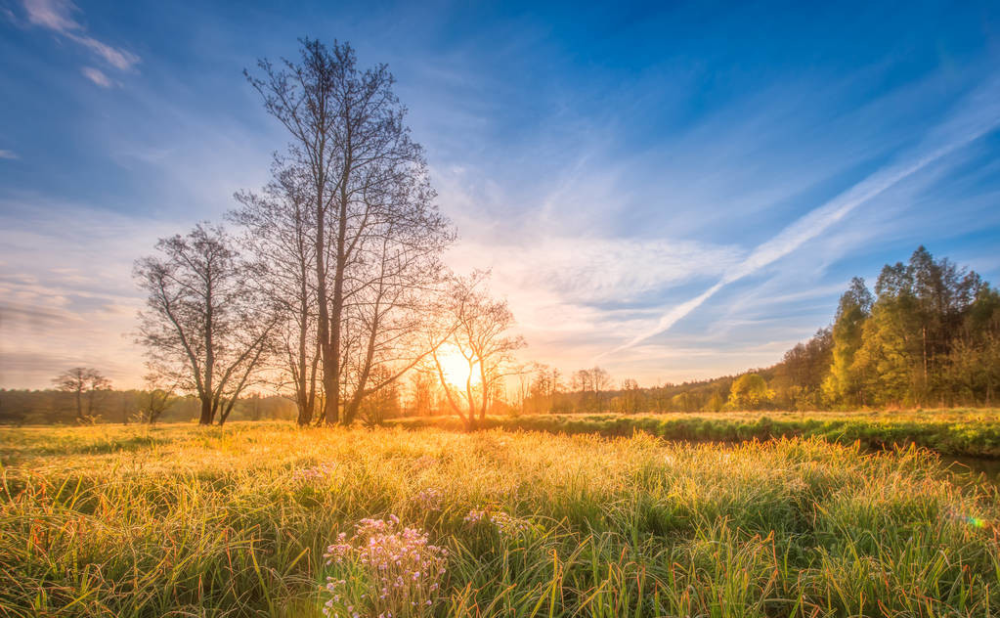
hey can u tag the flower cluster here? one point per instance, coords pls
(428, 500)
(315, 473)
(395, 571)
(475, 516)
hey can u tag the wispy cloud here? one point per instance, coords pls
(59, 16)
(8, 154)
(98, 77)
(978, 115)
(66, 292)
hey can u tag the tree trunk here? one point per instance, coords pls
(206, 411)
(331, 364)
(305, 414)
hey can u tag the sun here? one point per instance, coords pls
(455, 368)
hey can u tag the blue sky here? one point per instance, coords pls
(673, 192)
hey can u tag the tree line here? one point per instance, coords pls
(84, 395)
(929, 335)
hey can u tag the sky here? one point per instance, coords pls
(669, 191)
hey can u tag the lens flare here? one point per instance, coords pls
(974, 521)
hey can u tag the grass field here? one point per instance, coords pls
(959, 432)
(182, 521)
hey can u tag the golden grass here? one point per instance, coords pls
(177, 520)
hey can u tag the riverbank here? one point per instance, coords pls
(956, 432)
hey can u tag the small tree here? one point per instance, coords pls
(204, 320)
(160, 394)
(86, 384)
(480, 328)
(423, 390)
(749, 392)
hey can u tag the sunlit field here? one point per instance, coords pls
(185, 521)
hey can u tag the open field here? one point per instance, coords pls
(112, 521)
(959, 432)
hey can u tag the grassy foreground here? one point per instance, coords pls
(183, 521)
(968, 433)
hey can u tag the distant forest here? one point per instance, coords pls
(928, 336)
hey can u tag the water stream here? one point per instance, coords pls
(987, 469)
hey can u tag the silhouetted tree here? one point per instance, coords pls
(85, 384)
(281, 230)
(204, 320)
(377, 234)
(159, 395)
(479, 330)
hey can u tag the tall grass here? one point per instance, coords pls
(191, 522)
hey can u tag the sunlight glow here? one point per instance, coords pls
(456, 368)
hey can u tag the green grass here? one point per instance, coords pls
(181, 521)
(968, 433)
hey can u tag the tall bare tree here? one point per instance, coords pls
(281, 231)
(86, 384)
(376, 228)
(479, 331)
(204, 321)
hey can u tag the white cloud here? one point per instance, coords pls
(979, 115)
(53, 14)
(98, 77)
(8, 154)
(59, 17)
(118, 58)
(590, 270)
(575, 284)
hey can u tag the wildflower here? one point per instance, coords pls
(314, 473)
(475, 516)
(428, 500)
(401, 570)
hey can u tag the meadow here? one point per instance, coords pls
(268, 519)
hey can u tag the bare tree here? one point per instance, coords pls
(86, 384)
(281, 231)
(480, 335)
(590, 383)
(160, 394)
(372, 207)
(390, 302)
(383, 403)
(423, 391)
(203, 319)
